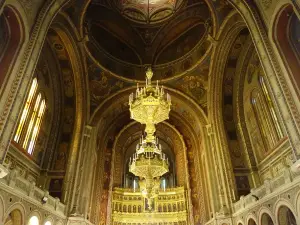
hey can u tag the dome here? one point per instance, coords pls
(149, 11)
(127, 36)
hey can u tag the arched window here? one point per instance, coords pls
(270, 107)
(31, 119)
(266, 220)
(251, 222)
(163, 184)
(12, 37)
(286, 216)
(33, 221)
(286, 35)
(264, 120)
(14, 218)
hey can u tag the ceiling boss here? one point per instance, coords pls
(150, 105)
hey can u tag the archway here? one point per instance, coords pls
(12, 39)
(113, 115)
(287, 42)
(251, 222)
(14, 218)
(286, 216)
(34, 220)
(266, 219)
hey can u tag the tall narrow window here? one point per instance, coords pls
(26, 110)
(37, 126)
(31, 119)
(271, 107)
(260, 122)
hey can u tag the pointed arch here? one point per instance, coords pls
(284, 26)
(14, 31)
(63, 33)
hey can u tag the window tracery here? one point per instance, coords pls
(271, 107)
(261, 119)
(31, 119)
(265, 116)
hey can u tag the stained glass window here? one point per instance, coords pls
(26, 110)
(31, 119)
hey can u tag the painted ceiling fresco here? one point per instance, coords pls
(178, 49)
(124, 47)
(148, 11)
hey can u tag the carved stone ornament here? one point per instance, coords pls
(3, 171)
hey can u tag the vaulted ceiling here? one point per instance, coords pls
(174, 37)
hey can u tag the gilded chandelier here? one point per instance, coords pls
(149, 106)
(150, 164)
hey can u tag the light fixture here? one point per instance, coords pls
(150, 105)
(44, 199)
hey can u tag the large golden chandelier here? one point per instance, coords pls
(149, 106)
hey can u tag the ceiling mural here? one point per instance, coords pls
(178, 50)
(148, 11)
(102, 85)
(171, 47)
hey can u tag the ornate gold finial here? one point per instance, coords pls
(149, 75)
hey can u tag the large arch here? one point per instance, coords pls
(19, 83)
(285, 97)
(131, 133)
(285, 20)
(113, 114)
(15, 32)
(232, 26)
(76, 82)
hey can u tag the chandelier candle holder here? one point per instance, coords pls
(149, 163)
(150, 105)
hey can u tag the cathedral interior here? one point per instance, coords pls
(149, 112)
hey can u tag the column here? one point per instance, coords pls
(82, 180)
(219, 196)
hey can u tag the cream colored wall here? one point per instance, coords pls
(275, 171)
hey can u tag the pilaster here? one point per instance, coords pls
(221, 180)
(82, 178)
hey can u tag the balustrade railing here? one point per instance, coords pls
(20, 186)
(269, 188)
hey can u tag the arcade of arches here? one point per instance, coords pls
(231, 67)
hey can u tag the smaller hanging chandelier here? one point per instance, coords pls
(149, 163)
